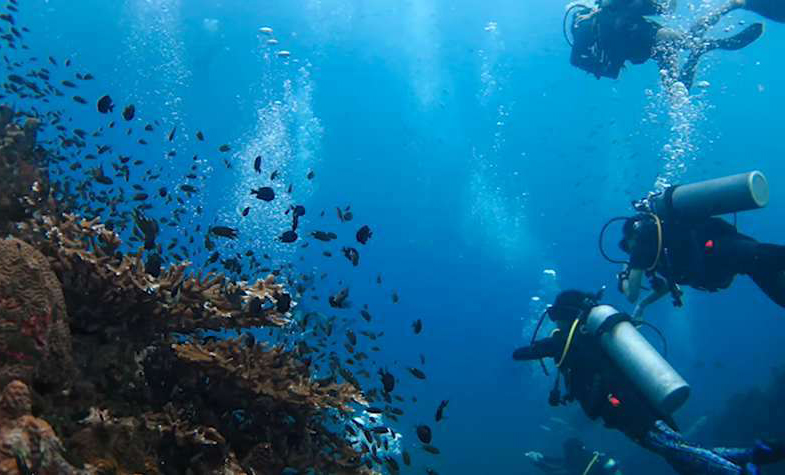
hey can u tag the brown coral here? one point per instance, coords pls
(28, 444)
(35, 344)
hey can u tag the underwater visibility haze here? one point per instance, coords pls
(419, 179)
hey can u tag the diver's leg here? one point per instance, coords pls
(764, 263)
(700, 47)
(684, 457)
(774, 10)
(703, 24)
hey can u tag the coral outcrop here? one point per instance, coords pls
(118, 363)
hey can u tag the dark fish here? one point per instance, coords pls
(395, 297)
(339, 300)
(351, 337)
(431, 450)
(148, 128)
(440, 410)
(162, 192)
(129, 112)
(264, 193)
(153, 265)
(417, 326)
(310, 175)
(257, 164)
(363, 234)
(80, 100)
(105, 105)
(224, 148)
(379, 279)
(407, 459)
(388, 380)
(140, 197)
(246, 211)
(324, 236)
(67, 63)
(288, 237)
(366, 316)
(88, 77)
(274, 175)
(223, 231)
(68, 84)
(424, 434)
(199, 135)
(188, 188)
(417, 373)
(171, 134)
(352, 254)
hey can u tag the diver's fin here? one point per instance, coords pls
(740, 40)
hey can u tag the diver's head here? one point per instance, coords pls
(569, 305)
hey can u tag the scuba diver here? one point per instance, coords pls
(676, 240)
(577, 461)
(616, 375)
(613, 32)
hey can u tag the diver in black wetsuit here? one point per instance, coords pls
(595, 380)
(577, 461)
(705, 254)
(616, 31)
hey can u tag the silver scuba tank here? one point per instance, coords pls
(654, 377)
(729, 194)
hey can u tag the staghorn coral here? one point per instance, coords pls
(28, 444)
(35, 345)
(106, 288)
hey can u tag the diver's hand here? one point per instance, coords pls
(588, 16)
(534, 456)
(637, 313)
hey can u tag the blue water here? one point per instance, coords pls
(479, 157)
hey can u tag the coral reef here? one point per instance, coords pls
(117, 361)
(28, 444)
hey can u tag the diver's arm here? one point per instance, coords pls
(658, 293)
(545, 348)
(631, 286)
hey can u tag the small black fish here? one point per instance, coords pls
(257, 164)
(224, 148)
(407, 459)
(129, 112)
(417, 326)
(424, 434)
(171, 134)
(188, 188)
(148, 128)
(431, 450)
(310, 175)
(395, 298)
(364, 234)
(223, 231)
(105, 105)
(388, 380)
(246, 211)
(440, 410)
(264, 193)
(351, 337)
(417, 373)
(88, 77)
(366, 315)
(68, 84)
(80, 100)
(288, 237)
(339, 300)
(274, 175)
(324, 236)
(199, 135)
(162, 192)
(352, 254)
(140, 197)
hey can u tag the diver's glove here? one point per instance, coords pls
(621, 277)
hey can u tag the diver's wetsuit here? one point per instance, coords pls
(772, 9)
(603, 391)
(707, 255)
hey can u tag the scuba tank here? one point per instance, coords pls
(648, 371)
(730, 194)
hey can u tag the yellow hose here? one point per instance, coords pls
(659, 242)
(569, 342)
(591, 464)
